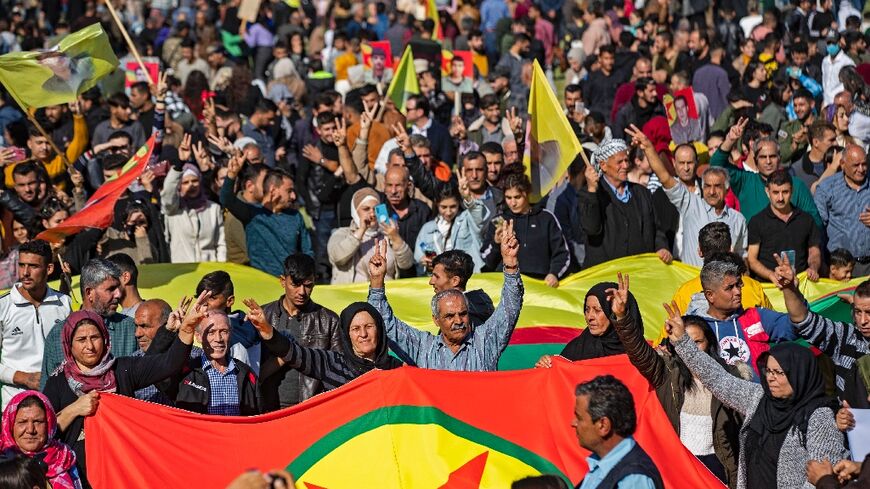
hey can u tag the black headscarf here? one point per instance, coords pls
(775, 417)
(382, 359)
(587, 345)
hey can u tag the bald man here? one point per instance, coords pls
(409, 213)
(151, 317)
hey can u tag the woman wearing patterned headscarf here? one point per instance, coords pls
(351, 247)
(89, 368)
(29, 429)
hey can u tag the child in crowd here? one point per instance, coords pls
(842, 264)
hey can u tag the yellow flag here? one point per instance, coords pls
(58, 75)
(552, 144)
(404, 82)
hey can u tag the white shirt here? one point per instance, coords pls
(831, 75)
(23, 328)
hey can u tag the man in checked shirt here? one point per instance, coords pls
(459, 346)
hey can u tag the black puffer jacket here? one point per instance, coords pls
(542, 247)
(193, 392)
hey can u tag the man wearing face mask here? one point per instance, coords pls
(458, 346)
(835, 61)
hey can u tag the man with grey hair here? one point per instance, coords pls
(697, 206)
(616, 215)
(743, 334)
(459, 346)
(100, 286)
(151, 318)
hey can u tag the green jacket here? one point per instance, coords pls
(750, 191)
(785, 135)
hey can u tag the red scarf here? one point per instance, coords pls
(100, 378)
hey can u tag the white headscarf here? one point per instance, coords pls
(606, 150)
(360, 197)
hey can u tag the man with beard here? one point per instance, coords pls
(697, 206)
(23, 328)
(643, 107)
(310, 324)
(794, 135)
(320, 187)
(493, 153)
(250, 191)
(119, 120)
(260, 128)
(100, 285)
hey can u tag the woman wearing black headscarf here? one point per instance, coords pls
(599, 339)
(789, 419)
(363, 342)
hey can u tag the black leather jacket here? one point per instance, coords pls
(314, 327)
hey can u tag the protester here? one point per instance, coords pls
(604, 420)
(311, 326)
(459, 346)
(362, 346)
(89, 367)
(29, 429)
(452, 229)
(788, 418)
(24, 329)
(150, 318)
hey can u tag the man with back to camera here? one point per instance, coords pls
(604, 421)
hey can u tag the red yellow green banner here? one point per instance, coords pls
(407, 428)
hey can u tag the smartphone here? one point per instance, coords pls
(18, 154)
(578, 107)
(382, 214)
(497, 221)
(791, 258)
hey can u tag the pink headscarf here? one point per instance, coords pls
(100, 378)
(59, 458)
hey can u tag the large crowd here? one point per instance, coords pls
(728, 135)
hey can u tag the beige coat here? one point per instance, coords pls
(350, 257)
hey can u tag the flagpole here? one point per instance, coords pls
(47, 136)
(129, 41)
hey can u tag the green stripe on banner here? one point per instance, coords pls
(516, 357)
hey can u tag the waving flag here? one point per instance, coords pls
(58, 75)
(432, 13)
(404, 82)
(100, 208)
(407, 428)
(552, 144)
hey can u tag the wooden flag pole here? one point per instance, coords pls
(129, 41)
(47, 136)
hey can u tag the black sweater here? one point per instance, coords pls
(542, 246)
(615, 229)
(131, 373)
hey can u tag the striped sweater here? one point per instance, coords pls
(845, 345)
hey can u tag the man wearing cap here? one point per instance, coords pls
(617, 215)
(219, 66)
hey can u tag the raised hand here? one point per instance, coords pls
(515, 122)
(639, 139)
(234, 166)
(339, 136)
(77, 179)
(258, 318)
(366, 120)
(176, 317)
(510, 246)
(464, 190)
(197, 311)
(185, 148)
(619, 297)
(203, 158)
(736, 131)
(402, 139)
(221, 143)
(378, 264)
(674, 322)
(592, 178)
(783, 275)
(147, 180)
(391, 229)
(457, 128)
(161, 87)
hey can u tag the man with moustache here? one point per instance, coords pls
(27, 313)
(100, 285)
(410, 214)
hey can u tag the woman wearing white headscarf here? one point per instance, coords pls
(194, 224)
(350, 248)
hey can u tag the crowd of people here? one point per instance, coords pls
(731, 136)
